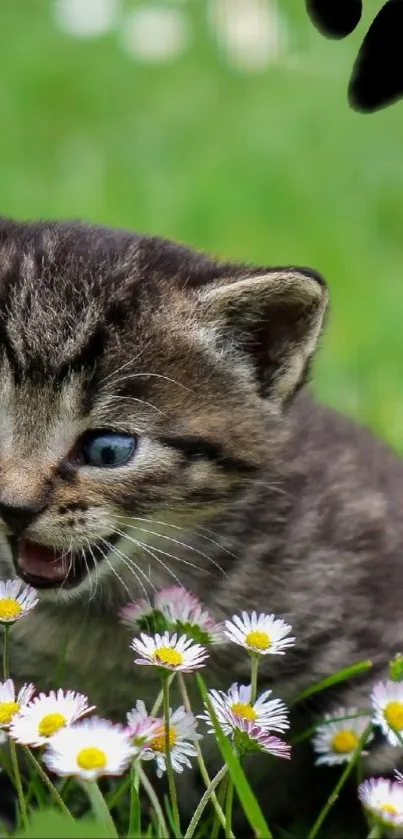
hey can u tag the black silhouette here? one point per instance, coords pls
(377, 77)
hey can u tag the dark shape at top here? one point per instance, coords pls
(335, 18)
(377, 77)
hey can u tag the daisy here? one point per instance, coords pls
(169, 652)
(10, 703)
(141, 727)
(88, 749)
(133, 613)
(16, 600)
(268, 714)
(249, 737)
(387, 701)
(38, 721)
(182, 736)
(336, 740)
(176, 610)
(185, 613)
(383, 799)
(261, 634)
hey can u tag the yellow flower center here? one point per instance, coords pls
(344, 742)
(158, 742)
(9, 609)
(50, 724)
(7, 711)
(394, 714)
(258, 640)
(166, 655)
(91, 758)
(243, 709)
(388, 808)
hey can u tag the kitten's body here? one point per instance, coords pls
(259, 501)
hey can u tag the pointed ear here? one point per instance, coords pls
(275, 317)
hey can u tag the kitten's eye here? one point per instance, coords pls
(105, 448)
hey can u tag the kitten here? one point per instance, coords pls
(154, 428)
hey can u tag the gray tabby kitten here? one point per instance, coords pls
(153, 429)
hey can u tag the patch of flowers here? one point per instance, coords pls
(175, 635)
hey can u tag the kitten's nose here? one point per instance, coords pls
(19, 516)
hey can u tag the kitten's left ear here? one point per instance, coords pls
(275, 318)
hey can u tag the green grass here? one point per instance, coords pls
(268, 168)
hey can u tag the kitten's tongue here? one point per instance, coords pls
(40, 561)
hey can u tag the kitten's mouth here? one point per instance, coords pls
(43, 566)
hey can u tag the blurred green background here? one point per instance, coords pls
(111, 112)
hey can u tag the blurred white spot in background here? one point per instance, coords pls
(251, 33)
(155, 33)
(86, 18)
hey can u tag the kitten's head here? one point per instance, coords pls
(140, 382)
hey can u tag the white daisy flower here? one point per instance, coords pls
(335, 741)
(133, 613)
(387, 702)
(182, 736)
(47, 714)
(383, 799)
(268, 714)
(262, 634)
(249, 737)
(88, 749)
(12, 703)
(176, 610)
(16, 600)
(141, 727)
(169, 652)
(185, 613)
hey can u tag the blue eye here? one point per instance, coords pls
(105, 448)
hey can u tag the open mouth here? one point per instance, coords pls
(43, 566)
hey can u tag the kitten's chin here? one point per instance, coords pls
(47, 567)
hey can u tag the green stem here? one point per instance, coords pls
(171, 779)
(207, 795)
(149, 790)
(99, 807)
(202, 766)
(253, 677)
(375, 832)
(48, 783)
(18, 784)
(160, 698)
(228, 808)
(113, 799)
(343, 778)
(222, 792)
(134, 813)
(6, 652)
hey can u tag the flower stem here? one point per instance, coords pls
(254, 665)
(134, 813)
(375, 832)
(343, 778)
(99, 807)
(13, 751)
(149, 789)
(46, 780)
(160, 698)
(18, 784)
(202, 766)
(171, 779)
(6, 652)
(228, 808)
(207, 795)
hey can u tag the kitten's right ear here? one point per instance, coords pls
(275, 317)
